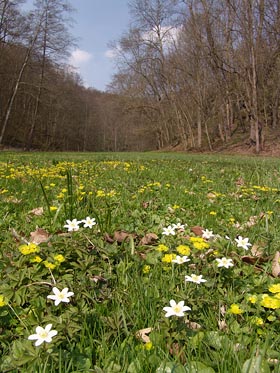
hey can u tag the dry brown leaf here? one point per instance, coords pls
(37, 211)
(142, 334)
(121, 236)
(240, 181)
(108, 238)
(12, 200)
(257, 251)
(192, 325)
(197, 230)
(223, 310)
(212, 197)
(39, 236)
(148, 239)
(276, 265)
(97, 278)
(222, 324)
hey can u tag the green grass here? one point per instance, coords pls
(120, 283)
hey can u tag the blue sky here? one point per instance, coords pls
(97, 22)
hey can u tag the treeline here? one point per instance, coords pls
(43, 103)
(201, 70)
(191, 73)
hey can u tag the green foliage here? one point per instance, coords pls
(121, 269)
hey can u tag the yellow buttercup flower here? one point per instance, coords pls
(146, 269)
(167, 258)
(201, 245)
(148, 346)
(36, 259)
(59, 258)
(100, 193)
(235, 309)
(270, 302)
(183, 250)
(257, 321)
(49, 264)
(162, 248)
(29, 248)
(274, 288)
(252, 299)
(3, 301)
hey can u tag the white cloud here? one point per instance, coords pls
(79, 57)
(169, 35)
(110, 53)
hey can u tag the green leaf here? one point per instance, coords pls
(134, 367)
(255, 365)
(198, 367)
(170, 368)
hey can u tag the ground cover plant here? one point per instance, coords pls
(139, 263)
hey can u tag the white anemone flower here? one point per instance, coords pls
(181, 259)
(60, 296)
(206, 234)
(224, 262)
(243, 242)
(89, 222)
(169, 231)
(43, 335)
(178, 226)
(176, 309)
(197, 279)
(72, 225)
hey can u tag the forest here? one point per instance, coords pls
(190, 74)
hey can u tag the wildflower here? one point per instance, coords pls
(257, 320)
(206, 234)
(178, 226)
(162, 247)
(180, 259)
(167, 258)
(176, 309)
(224, 262)
(212, 213)
(100, 193)
(3, 301)
(72, 225)
(49, 264)
(146, 269)
(43, 335)
(274, 288)
(183, 250)
(243, 242)
(200, 245)
(197, 279)
(36, 259)
(235, 309)
(59, 258)
(53, 208)
(270, 302)
(252, 299)
(148, 346)
(89, 222)
(60, 296)
(169, 231)
(29, 248)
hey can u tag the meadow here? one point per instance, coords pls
(138, 263)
